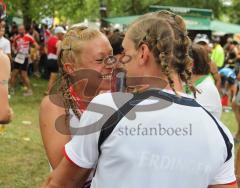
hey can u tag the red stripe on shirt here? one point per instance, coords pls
(66, 156)
(232, 183)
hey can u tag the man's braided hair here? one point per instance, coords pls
(166, 35)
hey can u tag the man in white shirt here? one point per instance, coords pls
(175, 143)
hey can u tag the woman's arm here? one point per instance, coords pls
(5, 110)
(215, 74)
(53, 140)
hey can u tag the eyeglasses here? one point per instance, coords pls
(111, 60)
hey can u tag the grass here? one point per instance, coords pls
(22, 159)
(23, 163)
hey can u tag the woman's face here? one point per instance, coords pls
(92, 55)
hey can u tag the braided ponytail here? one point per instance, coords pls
(69, 53)
(181, 61)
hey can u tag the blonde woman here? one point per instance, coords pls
(82, 50)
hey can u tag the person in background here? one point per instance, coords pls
(53, 46)
(236, 110)
(46, 34)
(116, 43)
(231, 55)
(5, 68)
(5, 44)
(228, 86)
(34, 52)
(236, 106)
(21, 50)
(208, 95)
(218, 55)
(14, 32)
(202, 39)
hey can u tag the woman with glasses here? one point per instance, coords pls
(86, 67)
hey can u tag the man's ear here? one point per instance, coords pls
(144, 54)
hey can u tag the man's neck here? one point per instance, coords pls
(156, 72)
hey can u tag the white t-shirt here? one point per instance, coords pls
(5, 45)
(209, 97)
(180, 146)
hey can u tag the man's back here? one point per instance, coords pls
(180, 145)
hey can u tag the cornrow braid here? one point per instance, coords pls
(68, 100)
(69, 53)
(166, 36)
(186, 73)
(182, 61)
(164, 59)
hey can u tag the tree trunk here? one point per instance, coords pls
(27, 20)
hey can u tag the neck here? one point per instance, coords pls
(177, 83)
(156, 71)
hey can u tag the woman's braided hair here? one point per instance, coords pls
(166, 35)
(70, 53)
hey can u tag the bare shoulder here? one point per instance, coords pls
(51, 108)
(53, 102)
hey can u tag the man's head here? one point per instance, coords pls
(159, 41)
(21, 30)
(216, 40)
(203, 40)
(2, 16)
(59, 32)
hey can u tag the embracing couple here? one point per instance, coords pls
(156, 45)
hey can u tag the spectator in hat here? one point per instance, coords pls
(53, 45)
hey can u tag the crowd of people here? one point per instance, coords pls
(110, 141)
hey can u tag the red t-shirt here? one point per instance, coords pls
(52, 45)
(47, 35)
(22, 43)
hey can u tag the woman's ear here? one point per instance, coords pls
(68, 67)
(144, 54)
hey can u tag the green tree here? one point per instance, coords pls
(233, 12)
(77, 10)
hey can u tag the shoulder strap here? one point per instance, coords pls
(112, 122)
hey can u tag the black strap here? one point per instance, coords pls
(112, 122)
(229, 145)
